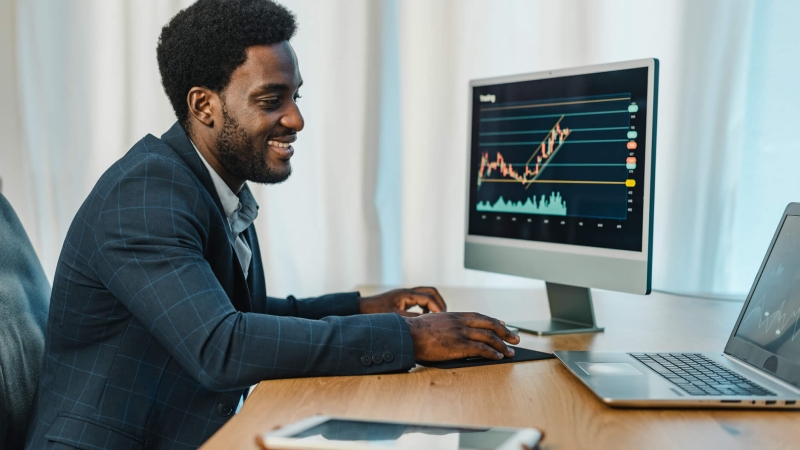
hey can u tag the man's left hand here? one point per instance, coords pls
(400, 300)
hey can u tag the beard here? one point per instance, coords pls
(242, 158)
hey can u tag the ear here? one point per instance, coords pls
(202, 105)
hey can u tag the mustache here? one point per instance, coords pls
(291, 133)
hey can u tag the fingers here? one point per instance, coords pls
(486, 351)
(439, 337)
(438, 301)
(425, 301)
(488, 337)
(476, 320)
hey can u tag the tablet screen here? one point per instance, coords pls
(391, 435)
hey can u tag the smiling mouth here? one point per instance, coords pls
(279, 144)
(284, 150)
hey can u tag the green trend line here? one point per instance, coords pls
(589, 141)
(572, 130)
(544, 116)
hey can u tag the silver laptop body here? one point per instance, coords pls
(759, 367)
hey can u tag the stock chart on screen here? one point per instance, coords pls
(772, 318)
(561, 159)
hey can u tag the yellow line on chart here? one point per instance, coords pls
(555, 104)
(554, 181)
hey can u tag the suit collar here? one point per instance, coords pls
(179, 141)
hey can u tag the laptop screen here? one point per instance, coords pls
(771, 320)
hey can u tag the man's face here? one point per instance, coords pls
(260, 118)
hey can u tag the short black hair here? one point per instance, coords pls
(204, 43)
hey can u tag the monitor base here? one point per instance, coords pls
(571, 310)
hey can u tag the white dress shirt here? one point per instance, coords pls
(232, 206)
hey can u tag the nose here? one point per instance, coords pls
(293, 120)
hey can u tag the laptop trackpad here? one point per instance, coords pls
(609, 369)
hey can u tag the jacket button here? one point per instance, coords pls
(388, 356)
(366, 360)
(377, 359)
(225, 409)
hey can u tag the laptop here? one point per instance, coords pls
(759, 367)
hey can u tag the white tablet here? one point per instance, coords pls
(334, 433)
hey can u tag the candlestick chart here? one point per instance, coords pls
(563, 157)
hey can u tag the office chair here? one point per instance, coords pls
(24, 304)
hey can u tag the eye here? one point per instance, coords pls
(297, 96)
(269, 103)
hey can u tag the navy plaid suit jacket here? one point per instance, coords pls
(154, 333)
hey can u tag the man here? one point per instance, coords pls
(159, 317)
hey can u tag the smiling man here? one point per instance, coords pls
(159, 317)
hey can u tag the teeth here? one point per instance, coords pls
(278, 144)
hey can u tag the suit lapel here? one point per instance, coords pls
(179, 141)
(177, 138)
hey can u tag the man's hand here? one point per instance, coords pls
(439, 337)
(399, 300)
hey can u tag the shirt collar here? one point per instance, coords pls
(232, 203)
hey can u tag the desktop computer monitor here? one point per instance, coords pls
(560, 183)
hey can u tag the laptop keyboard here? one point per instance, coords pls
(699, 375)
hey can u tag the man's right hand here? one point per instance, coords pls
(443, 336)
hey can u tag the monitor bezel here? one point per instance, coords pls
(649, 180)
(750, 353)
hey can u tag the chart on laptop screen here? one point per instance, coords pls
(561, 168)
(772, 319)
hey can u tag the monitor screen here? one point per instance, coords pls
(770, 321)
(561, 160)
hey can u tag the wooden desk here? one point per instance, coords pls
(540, 394)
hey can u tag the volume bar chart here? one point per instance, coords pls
(561, 157)
(553, 206)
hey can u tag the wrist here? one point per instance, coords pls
(413, 332)
(413, 327)
(365, 305)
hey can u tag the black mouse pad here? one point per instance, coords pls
(520, 355)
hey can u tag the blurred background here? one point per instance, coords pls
(378, 190)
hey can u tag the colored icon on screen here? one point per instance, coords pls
(630, 183)
(632, 145)
(630, 163)
(633, 108)
(632, 134)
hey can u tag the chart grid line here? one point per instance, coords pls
(586, 141)
(574, 130)
(554, 181)
(545, 116)
(578, 102)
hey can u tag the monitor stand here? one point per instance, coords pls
(571, 311)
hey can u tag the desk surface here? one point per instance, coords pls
(541, 394)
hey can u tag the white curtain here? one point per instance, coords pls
(703, 47)
(378, 190)
(89, 89)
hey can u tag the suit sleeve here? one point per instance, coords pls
(150, 241)
(344, 304)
